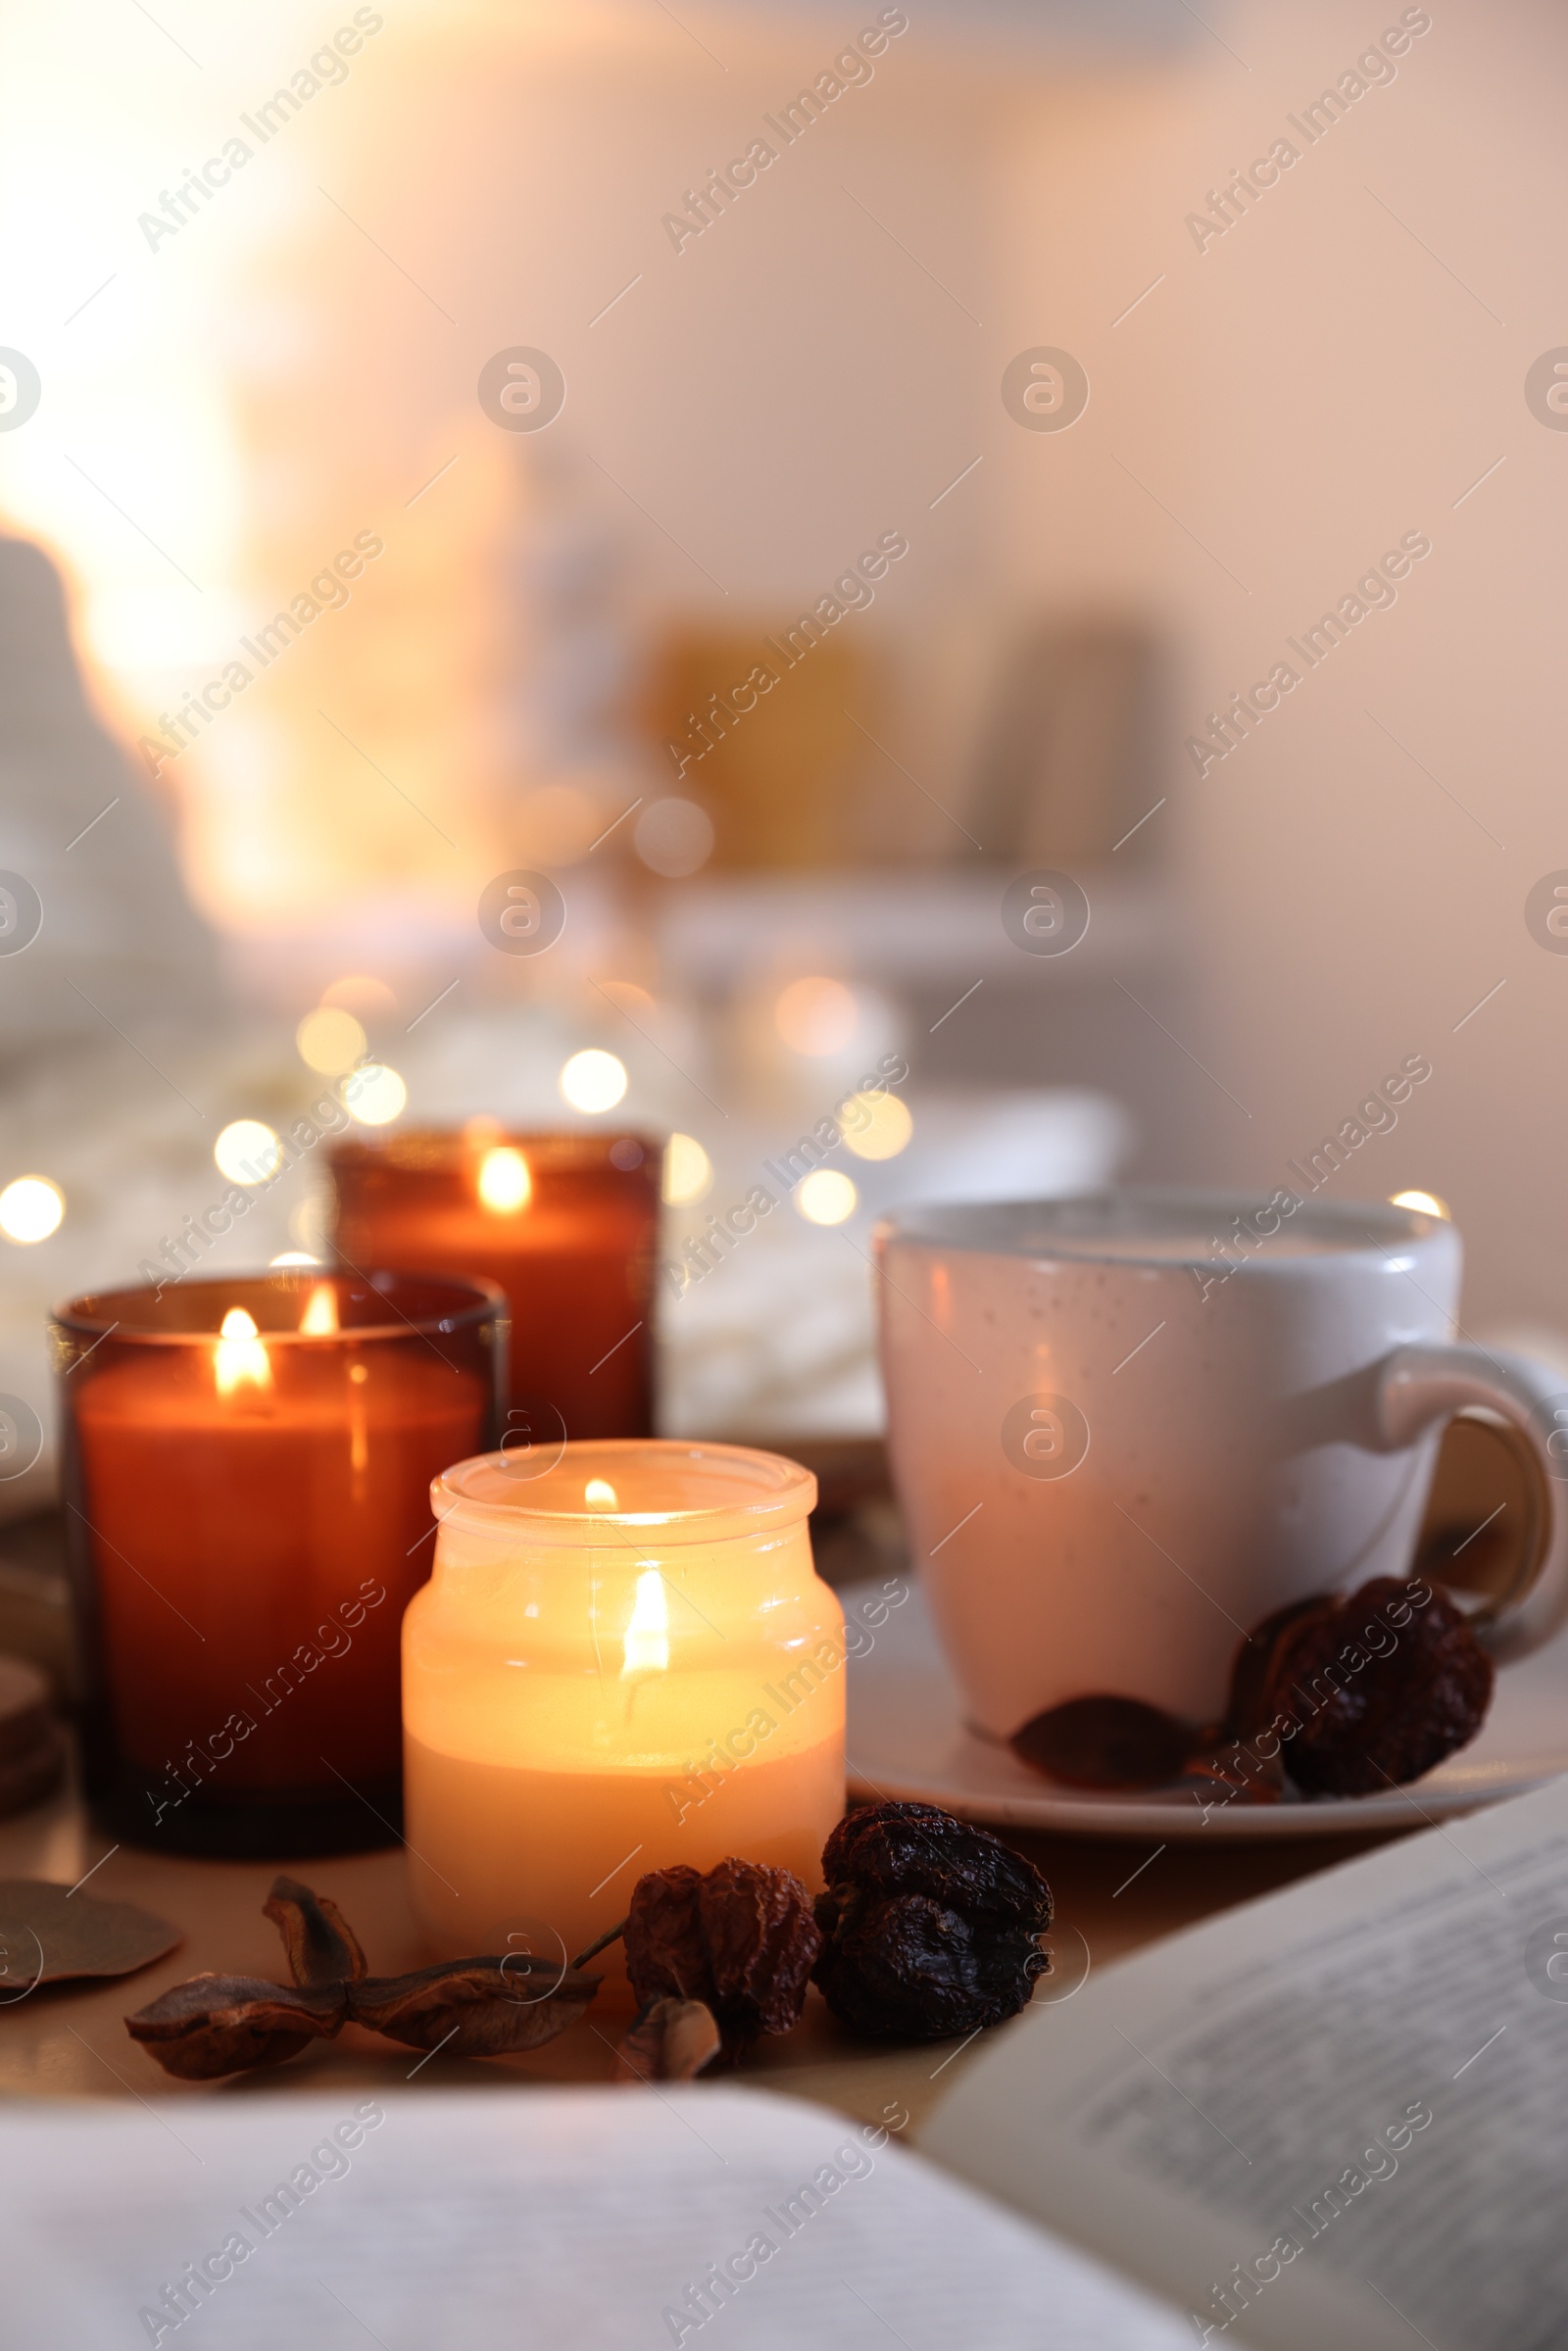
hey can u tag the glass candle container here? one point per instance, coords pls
(621, 1662)
(567, 1224)
(247, 1476)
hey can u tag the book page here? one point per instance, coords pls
(523, 2220)
(1339, 2115)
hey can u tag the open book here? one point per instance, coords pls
(521, 2220)
(1336, 2116)
(1334, 2120)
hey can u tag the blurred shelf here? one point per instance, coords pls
(914, 926)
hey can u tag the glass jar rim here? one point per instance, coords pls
(463, 1301)
(447, 1151)
(491, 1490)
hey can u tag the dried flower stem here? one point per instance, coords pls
(611, 1934)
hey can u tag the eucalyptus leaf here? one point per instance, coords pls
(49, 1934)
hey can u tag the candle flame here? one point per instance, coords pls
(319, 1318)
(1427, 1204)
(240, 1358)
(505, 1184)
(646, 1647)
(600, 1494)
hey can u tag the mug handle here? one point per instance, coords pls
(1418, 1386)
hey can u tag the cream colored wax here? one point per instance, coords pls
(622, 1662)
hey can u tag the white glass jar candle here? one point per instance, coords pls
(623, 1659)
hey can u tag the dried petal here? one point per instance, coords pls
(672, 2041)
(473, 2007)
(1105, 1742)
(49, 1934)
(931, 1926)
(1367, 1715)
(321, 1945)
(742, 1940)
(213, 2024)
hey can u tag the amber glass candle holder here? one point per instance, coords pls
(247, 1466)
(623, 1660)
(567, 1225)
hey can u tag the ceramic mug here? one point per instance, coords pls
(1126, 1427)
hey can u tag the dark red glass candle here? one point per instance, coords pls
(248, 1465)
(567, 1225)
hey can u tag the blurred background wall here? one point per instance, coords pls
(1274, 400)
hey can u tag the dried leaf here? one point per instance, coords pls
(473, 2007)
(322, 1947)
(671, 2041)
(48, 1935)
(216, 2025)
(213, 2024)
(1104, 1742)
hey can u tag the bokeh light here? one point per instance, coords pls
(329, 1039)
(826, 1196)
(816, 1016)
(248, 1152)
(688, 1171)
(375, 1095)
(593, 1081)
(674, 838)
(30, 1209)
(356, 991)
(887, 1130)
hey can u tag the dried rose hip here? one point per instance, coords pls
(742, 1940)
(1375, 1700)
(931, 1926)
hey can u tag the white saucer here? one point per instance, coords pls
(906, 1738)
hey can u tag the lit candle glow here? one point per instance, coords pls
(319, 1318)
(624, 1662)
(646, 1647)
(566, 1225)
(240, 1358)
(250, 1465)
(503, 1182)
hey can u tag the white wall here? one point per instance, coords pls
(1300, 393)
(1297, 395)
